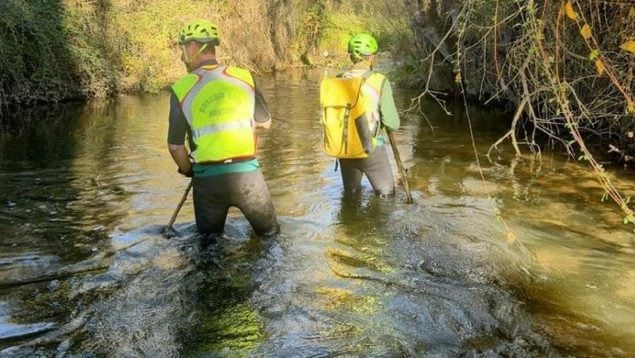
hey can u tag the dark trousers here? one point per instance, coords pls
(247, 191)
(377, 169)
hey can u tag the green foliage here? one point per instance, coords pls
(51, 52)
(54, 50)
(32, 61)
(509, 50)
(145, 42)
(326, 27)
(339, 27)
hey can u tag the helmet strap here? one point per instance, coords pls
(186, 58)
(200, 50)
(188, 61)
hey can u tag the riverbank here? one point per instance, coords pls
(566, 69)
(54, 51)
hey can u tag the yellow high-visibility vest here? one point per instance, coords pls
(219, 105)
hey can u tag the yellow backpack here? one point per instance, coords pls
(346, 128)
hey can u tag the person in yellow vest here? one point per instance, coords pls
(219, 108)
(381, 113)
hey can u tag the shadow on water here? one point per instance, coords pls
(54, 212)
(62, 197)
(132, 306)
(54, 192)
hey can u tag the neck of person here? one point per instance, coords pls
(366, 63)
(203, 59)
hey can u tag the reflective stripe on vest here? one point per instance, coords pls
(219, 106)
(222, 127)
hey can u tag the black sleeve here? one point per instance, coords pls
(177, 123)
(261, 113)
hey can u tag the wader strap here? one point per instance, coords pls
(347, 113)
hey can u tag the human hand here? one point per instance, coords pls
(188, 173)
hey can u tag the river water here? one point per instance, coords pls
(523, 261)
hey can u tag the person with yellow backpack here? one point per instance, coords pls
(219, 108)
(356, 105)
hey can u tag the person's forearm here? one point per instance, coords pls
(180, 156)
(389, 114)
(390, 120)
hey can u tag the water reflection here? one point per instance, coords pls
(84, 270)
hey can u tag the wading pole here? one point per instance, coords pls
(169, 228)
(402, 171)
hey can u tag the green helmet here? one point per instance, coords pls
(200, 31)
(362, 45)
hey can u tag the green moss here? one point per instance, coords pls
(236, 329)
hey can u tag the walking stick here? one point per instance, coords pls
(402, 171)
(169, 230)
